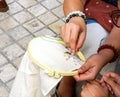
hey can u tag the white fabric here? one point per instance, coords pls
(55, 55)
(31, 81)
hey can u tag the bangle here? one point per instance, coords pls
(75, 14)
(115, 51)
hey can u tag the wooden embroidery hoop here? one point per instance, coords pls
(50, 71)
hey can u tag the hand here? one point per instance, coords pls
(113, 81)
(90, 69)
(94, 89)
(74, 33)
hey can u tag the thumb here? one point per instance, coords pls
(83, 68)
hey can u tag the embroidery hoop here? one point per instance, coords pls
(50, 71)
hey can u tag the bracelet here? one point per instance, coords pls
(107, 46)
(74, 14)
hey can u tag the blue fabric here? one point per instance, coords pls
(114, 2)
(89, 21)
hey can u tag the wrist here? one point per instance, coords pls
(106, 55)
(109, 52)
(76, 14)
(78, 20)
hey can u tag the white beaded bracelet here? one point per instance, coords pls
(74, 14)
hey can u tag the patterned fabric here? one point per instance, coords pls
(100, 11)
(114, 2)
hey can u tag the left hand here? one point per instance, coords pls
(113, 82)
(90, 69)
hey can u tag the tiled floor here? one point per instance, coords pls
(24, 20)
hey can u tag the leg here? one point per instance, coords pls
(67, 87)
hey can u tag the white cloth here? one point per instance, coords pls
(31, 81)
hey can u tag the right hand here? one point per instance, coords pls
(91, 68)
(73, 33)
(113, 81)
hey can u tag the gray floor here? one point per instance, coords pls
(24, 20)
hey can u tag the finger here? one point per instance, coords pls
(85, 67)
(80, 40)
(104, 84)
(85, 76)
(85, 73)
(63, 34)
(67, 35)
(115, 87)
(74, 38)
(114, 77)
(101, 80)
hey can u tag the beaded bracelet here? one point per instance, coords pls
(107, 46)
(75, 14)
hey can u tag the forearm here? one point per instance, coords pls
(119, 4)
(113, 39)
(73, 5)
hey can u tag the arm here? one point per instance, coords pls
(119, 4)
(96, 62)
(74, 32)
(113, 39)
(73, 5)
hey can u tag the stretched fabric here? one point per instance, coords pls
(33, 81)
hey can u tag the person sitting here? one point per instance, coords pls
(109, 84)
(74, 34)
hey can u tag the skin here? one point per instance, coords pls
(74, 34)
(94, 89)
(113, 82)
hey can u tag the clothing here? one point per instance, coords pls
(32, 81)
(113, 2)
(100, 11)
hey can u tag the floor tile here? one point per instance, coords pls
(13, 51)
(50, 4)
(58, 11)
(27, 3)
(7, 72)
(14, 8)
(48, 18)
(18, 33)
(56, 26)
(37, 10)
(44, 32)
(23, 16)
(5, 40)
(3, 60)
(8, 23)
(33, 25)
(24, 41)
(3, 92)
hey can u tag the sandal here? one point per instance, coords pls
(56, 94)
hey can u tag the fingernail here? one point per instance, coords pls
(72, 52)
(76, 49)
